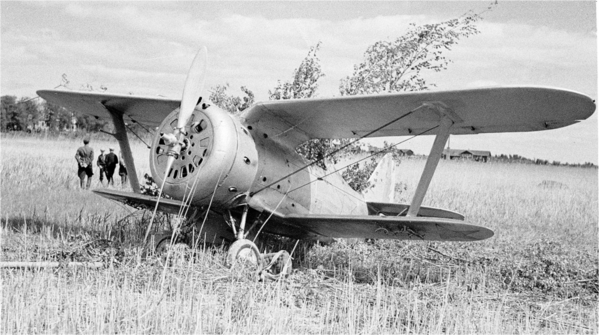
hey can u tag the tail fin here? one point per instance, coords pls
(383, 181)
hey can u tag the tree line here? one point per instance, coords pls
(29, 114)
(537, 161)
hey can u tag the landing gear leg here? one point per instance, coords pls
(243, 253)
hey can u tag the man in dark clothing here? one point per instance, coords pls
(102, 165)
(111, 161)
(85, 160)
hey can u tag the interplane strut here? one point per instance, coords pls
(123, 139)
(447, 119)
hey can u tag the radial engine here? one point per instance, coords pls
(218, 161)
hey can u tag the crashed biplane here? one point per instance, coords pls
(241, 174)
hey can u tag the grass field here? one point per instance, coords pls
(538, 274)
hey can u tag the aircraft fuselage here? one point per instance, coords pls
(225, 160)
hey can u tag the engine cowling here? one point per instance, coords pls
(218, 162)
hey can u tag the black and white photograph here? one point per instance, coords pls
(299, 167)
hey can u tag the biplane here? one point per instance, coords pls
(238, 175)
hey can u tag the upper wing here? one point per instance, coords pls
(149, 111)
(486, 110)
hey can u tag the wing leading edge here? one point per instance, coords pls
(488, 110)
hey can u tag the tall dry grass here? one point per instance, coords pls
(537, 274)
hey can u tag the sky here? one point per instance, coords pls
(147, 47)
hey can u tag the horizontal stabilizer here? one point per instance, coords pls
(387, 209)
(142, 201)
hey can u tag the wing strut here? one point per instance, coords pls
(431, 162)
(121, 137)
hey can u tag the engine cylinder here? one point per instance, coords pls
(218, 160)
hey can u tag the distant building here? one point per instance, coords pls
(476, 155)
(405, 152)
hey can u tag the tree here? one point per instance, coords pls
(395, 66)
(305, 79)
(303, 86)
(399, 65)
(28, 112)
(57, 117)
(230, 103)
(357, 176)
(18, 113)
(9, 111)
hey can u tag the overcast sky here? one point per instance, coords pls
(147, 47)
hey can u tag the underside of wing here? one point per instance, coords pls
(149, 111)
(377, 227)
(490, 110)
(142, 201)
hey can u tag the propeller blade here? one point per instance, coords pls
(194, 84)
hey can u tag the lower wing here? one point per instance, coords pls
(377, 227)
(340, 226)
(139, 201)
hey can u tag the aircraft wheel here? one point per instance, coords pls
(165, 245)
(160, 245)
(243, 254)
(176, 254)
(161, 242)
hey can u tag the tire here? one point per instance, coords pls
(175, 254)
(161, 242)
(244, 254)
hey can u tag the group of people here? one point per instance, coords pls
(107, 164)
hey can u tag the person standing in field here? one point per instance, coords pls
(111, 161)
(102, 165)
(122, 171)
(85, 160)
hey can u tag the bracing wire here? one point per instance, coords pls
(141, 125)
(335, 151)
(131, 130)
(358, 161)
